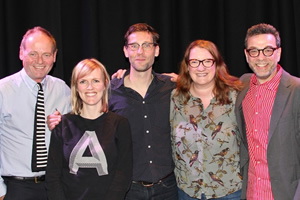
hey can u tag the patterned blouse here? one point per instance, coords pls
(205, 147)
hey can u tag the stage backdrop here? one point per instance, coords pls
(95, 28)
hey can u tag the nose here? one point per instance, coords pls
(201, 67)
(40, 59)
(140, 50)
(90, 85)
(261, 55)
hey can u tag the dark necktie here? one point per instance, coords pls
(39, 150)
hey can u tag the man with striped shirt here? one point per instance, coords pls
(268, 113)
(19, 179)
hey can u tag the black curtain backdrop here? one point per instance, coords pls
(95, 28)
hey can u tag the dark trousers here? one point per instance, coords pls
(234, 196)
(165, 190)
(25, 190)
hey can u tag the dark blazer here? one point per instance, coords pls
(283, 151)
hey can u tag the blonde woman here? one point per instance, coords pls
(90, 154)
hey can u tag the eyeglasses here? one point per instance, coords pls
(146, 46)
(207, 63)
(267, 51)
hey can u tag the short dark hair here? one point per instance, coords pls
(263, 29)
(141, 27)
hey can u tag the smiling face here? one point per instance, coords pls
(90, 89)
(200, 75)
(141, 60)
(37, 56)
(264, 67)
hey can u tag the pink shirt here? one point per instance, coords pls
(257, 108)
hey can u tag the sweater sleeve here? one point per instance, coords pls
(54, 167)
(123, 175)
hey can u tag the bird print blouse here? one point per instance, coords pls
(205, 147)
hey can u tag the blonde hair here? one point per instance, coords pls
(82, 69)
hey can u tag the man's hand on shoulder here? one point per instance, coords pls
(173, 76)
(119, 74)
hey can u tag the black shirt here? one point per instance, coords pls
(90, 159)
(150, 125)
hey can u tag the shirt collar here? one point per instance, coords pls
(271, 84)
(195, 99)
(121, 82)
(31, 83)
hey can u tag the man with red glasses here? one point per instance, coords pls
(268, 113)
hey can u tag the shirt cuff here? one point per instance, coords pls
(2, 187)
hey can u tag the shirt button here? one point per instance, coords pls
(258, 162)
(149, 146)
(256, 113)
(143, 102)
(145, 116)
(147, 131)
(150, 161)
(258, 179)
